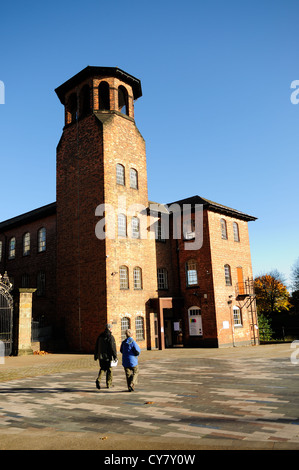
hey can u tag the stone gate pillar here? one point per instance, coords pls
(25, 318)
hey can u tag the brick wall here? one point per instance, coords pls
(44, 305)
(235, 254)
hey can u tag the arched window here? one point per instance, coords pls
(237, 316)
(139, 327)
(137, 276)
(104, 96)
(85, 100)
(236, 232)
(41, 240)
(72, 108)
(135, 227)
(120, 174)
(123, 277)
(227, 273)
(12, 248)
(123, 100)
(26, 244)
(122, 225)
(133, 178)
(223, 229)
(124, 325)
(191, 273)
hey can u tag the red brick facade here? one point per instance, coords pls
(167, 294)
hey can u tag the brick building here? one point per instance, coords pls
(177, 274)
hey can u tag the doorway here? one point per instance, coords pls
(168, 327)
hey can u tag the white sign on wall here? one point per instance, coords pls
(195, 322)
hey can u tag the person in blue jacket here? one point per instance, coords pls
(130, 352)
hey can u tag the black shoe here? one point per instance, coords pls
(98, 385)
(131, 388)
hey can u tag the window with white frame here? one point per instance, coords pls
(137, 277)
(120, 174)
(122, 225)
(123, 277)
(162, 278)
(191, 272)
(135, 227)
(133, 178)
(139, 326)
(124, 325)
(237, 316)
(189, 229)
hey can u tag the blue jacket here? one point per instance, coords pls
(130, 352)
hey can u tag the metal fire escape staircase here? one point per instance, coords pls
(245, 295)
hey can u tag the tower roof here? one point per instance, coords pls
(91, 71)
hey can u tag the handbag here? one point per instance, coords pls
(114, 363)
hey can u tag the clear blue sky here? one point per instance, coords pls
(216, 112)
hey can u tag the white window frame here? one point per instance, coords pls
(237, 317)
(191, 273)
(120, 174)
(133, 178)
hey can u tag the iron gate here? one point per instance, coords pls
(6, 314)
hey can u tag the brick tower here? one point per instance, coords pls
(101, 159)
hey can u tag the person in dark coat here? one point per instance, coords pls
(105, 351)
(130, 352)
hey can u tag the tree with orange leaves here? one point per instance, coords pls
(272, 295)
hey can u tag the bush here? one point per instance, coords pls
(265, 328)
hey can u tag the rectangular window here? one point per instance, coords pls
(41, 284)
(162, 278)
(189, 229)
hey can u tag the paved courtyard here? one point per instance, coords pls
(238, 398)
